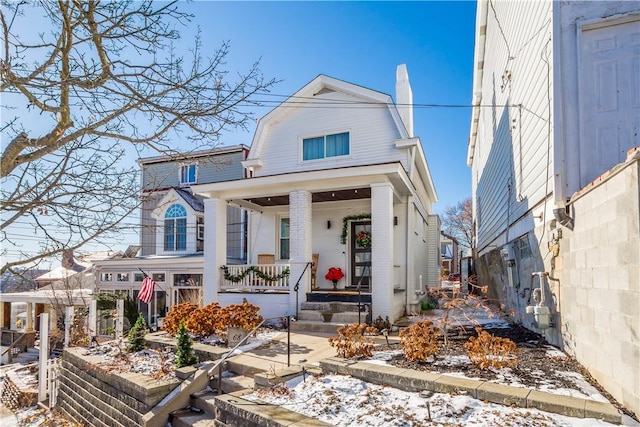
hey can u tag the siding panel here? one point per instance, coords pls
(371, 131)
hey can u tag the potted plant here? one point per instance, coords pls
(334, 274)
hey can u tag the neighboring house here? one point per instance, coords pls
(70, 284)
(335, 171)
(449, 253)
(556, 117)
(172, 230)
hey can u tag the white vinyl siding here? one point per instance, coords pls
(513, 164)
(371, 135)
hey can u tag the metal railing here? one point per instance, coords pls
(296, 288)
(220, 363)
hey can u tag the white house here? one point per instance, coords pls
(333, 162)
(556, 115)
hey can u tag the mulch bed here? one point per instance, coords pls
(535, 365)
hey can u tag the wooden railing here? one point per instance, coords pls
(255, 278)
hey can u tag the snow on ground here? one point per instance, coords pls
(347, 401)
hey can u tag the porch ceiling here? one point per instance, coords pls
(321, 196)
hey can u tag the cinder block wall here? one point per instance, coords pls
(593, 288)
(599, 293)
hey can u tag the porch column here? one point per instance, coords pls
(382, 250)
(29, 326)
(215, 247)
(299, 244)
(5, 315)
(39, 311)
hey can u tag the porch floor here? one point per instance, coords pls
(338, 296)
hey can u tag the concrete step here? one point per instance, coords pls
(314, 326)
(237, 383)
(336, 307)
(244, 364)
(331, 317)
(191, 417)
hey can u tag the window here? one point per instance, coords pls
(123, 277)
(325, 146)
(138, 277)
(200, 235)
(106, 277)
(188, 174)
(175, 228)
(523, 247)
(158, 277)
(187, 280)
(284, 238)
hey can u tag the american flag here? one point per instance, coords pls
(146, 290)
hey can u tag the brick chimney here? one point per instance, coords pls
(67, 260)
(404, 98)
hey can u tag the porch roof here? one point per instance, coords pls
(344, 183)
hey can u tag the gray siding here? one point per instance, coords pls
(162, 175)
(216, 168)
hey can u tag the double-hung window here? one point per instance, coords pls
(175, 228)
(321, 147)
(188, 174)
(284, 238)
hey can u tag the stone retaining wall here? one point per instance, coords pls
(93, 396)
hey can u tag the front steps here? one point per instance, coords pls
(327, 317)
(243, 374)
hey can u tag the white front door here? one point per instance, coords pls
(609, 95)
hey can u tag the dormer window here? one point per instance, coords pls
(325, 146)
(175, 228)
(188, 174)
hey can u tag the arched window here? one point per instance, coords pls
(175, 228)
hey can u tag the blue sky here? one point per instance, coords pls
(362, 43)
(359, 42)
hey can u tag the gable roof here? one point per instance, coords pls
(192, 200)
(322, 84)
(174, 195)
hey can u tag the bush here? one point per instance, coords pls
(487, 351)
(419, 341)
(136, 335)
(244, 316)
(204, 321)
(177, 314)
(184, 348)
(354, 341)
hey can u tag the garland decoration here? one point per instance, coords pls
(345, 224)
(237, 278)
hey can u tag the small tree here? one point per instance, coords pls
(458, 222)
(184, 350)
(136, 335)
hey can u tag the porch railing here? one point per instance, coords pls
(255, 278)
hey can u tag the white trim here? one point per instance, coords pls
(200, 231)
(182, 165)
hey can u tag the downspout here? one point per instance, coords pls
(559, 172)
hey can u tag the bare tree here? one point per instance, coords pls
(457, 221)
(102, 80)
